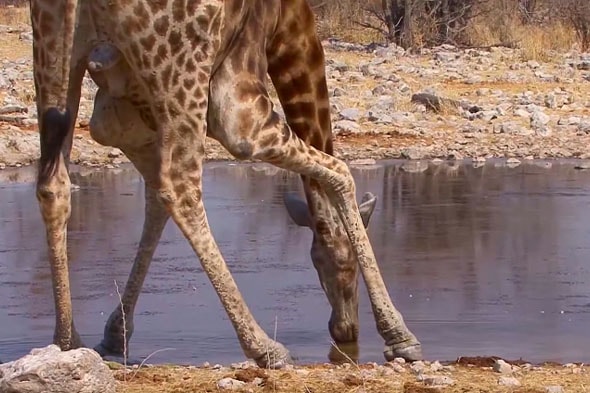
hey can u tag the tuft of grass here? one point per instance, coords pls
(535, 42)
(15, 16)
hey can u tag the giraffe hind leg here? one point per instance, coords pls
(297, 69)
(298, 74)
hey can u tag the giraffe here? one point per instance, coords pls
(170, 73)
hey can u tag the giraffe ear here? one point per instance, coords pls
(297, 209)
(299, 212)
(366, 207)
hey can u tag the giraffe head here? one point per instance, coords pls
(334, 259)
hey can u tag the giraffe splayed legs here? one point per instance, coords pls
(170, 73)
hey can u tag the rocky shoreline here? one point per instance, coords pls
(51, 370)
(443, 102)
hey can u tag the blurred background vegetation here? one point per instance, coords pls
(534, 26)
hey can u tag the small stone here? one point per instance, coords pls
(500, 366)
(338, 92)
(413, 153)
(114, 153)
(363, 161)
(414, 166)
(436, 366)
(508, 381)
(352, 114)
(418, 367)
(398, 368)
(522, 113)
(584, 126)
(347, 126)
(554, 389)
(512, 163)
(437, 380)
(230, 384)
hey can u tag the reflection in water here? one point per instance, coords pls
(487, 260)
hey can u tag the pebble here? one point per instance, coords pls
(436, 380)
(508, 381)
(554, 389)
(418, 367)
(230, 384)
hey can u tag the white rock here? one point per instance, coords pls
(347, 126)
(352, 114)
(500, 366)
(554, 389)
(437, 380)
(508, 381)
(418, 367)
(49, 370)
(436, 366)
(230, 384)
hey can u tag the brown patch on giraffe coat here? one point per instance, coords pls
(180, 96)
(157, 5)
(178, 10)
(175, 42)
(161, 55)
(188, 83)
(148, 42)
(166, 76)
(161, 25)
(142, 14)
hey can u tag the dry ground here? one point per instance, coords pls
(367, 378)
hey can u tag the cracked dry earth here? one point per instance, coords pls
(473, 375)
(488, 103)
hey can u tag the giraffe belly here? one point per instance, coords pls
(118, 122)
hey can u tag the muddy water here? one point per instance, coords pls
(489, 260)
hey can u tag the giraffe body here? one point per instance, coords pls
(169, 73)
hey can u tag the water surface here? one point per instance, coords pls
(481, 261)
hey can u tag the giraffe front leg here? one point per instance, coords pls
(53, 194)
(185, 203)
(58, 67)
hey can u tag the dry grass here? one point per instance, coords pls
(11, 47)
(14, 16)
(341, 19)
(328, 378)
(534, 41)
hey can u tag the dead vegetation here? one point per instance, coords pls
(537, 27)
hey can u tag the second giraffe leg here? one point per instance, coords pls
(297, 68)
(298, 73)
(250, 128)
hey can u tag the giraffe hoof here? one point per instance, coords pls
(104, 350)
(276, 356)
(410, 353)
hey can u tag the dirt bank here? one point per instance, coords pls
(473, 375)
